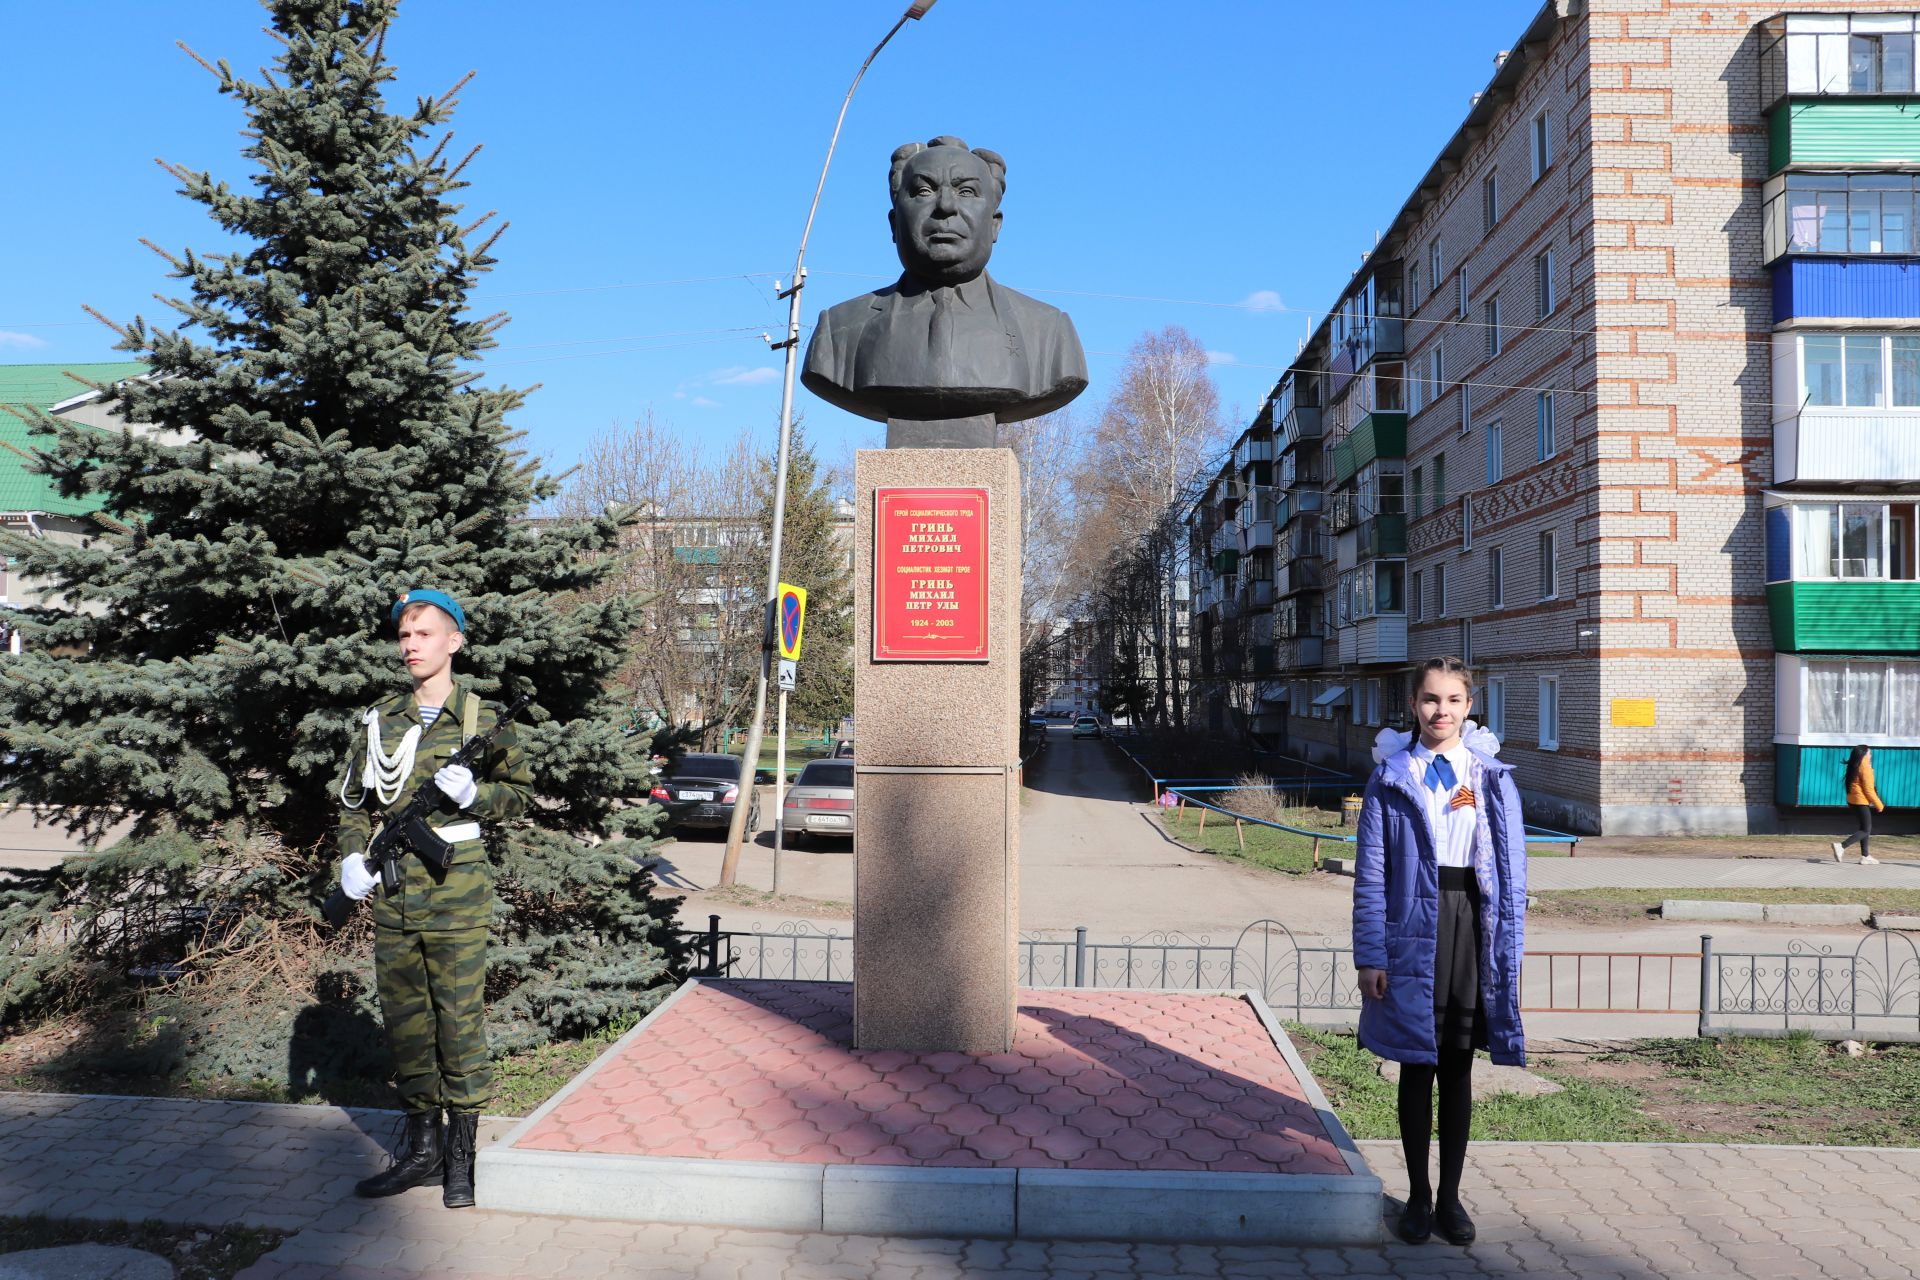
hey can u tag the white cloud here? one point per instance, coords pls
(1263, 300)
(20, 340)
(1222, 357)
(701, 402)
(742, 376)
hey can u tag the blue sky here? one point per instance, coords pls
(1215, 165)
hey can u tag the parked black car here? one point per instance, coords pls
(699, 791)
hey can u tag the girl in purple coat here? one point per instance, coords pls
(1439, 912)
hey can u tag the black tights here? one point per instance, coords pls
(1416, 1122)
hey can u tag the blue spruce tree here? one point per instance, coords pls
(322, 442)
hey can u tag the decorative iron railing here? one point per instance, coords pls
(1870, 993)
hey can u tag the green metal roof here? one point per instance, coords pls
(42, 386)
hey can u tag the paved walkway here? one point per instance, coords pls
(1600, 1210)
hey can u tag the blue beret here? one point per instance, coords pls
(427, 595)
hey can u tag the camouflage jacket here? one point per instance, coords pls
(463, 899)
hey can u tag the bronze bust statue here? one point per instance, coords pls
(947, 353)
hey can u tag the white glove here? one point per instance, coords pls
(356, 881)
(457, 781)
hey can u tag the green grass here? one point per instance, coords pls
(1586, 1110)
(1619, 904)
(1264, 846)
(197, 1253)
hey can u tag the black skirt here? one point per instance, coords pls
(1459, 1019)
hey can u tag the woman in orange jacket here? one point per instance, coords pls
(1865, 801)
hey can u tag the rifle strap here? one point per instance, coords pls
(469, 716)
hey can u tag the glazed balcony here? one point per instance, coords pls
(1846, 446)
(1382, 638)
(1845, 616)
(1384, 535)
(1380, 434)
(1862, 132)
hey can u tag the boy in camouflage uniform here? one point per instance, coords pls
(430, 939)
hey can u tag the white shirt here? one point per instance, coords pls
(1453, 829)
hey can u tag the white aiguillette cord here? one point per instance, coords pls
(385, 775)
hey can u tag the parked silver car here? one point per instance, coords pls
(1086, 727)
(821, 802)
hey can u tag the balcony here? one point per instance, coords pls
(1302, 423)
(1256, 534)
(1256, 593)
(1380, 434)
(1860, 616)
(1303, 651)
(1300, 574)
(1841, 446)
(1866, 131)
(1299, 504)
(1845, 289)
(1251, 450)
(1347, 646)
(1857, 214)
(1806, 775)
(1384, 535)
(1382, 638)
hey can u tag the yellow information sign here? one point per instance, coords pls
(1633, 713)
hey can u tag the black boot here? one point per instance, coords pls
(1452, 1220)
(419, 1163)
(463, 1133)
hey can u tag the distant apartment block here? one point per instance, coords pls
(1623, 408)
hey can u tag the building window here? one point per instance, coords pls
(1496, 463)
(1440, 495)
(1466, 522)
(1436, 374)
(1496, 578)
(1854, 371)
(1549, 713)
(1413, 286)
(1493, 710)
(1490, 200)
(1433, 264)
(1439, 591)
(1543, 299)
(1419, 492)
(1868, 540)
(1543, 421)
(1549, 565)
(1466, 641)
(1863, 698)
(1542, 144)
(1418, 601)
(1465, 293)
(1466, 407)
(1493, 326)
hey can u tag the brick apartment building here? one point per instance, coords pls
(1624, 407)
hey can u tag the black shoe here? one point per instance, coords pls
(1454, 1223)
(419, 1164)
(1416, 1222)
(463, 1132)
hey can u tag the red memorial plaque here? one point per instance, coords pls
(930, 575)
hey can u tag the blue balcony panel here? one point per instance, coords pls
(1845, 288)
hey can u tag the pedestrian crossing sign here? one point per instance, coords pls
(790, 619)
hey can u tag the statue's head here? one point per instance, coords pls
(946, 208)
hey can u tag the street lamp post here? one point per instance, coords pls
(749, 762)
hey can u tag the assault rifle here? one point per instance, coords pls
(407, 829)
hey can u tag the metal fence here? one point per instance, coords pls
(1870, 993)
(1311, 981)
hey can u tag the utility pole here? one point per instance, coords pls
(749, 762)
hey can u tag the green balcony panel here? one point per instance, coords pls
(1867, 131)
(1343, 467)
(1380, 434)
(1817, 775)
(1845, 617)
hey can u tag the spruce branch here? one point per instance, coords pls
(476, 224)
(182, 175)
(211, 69)
(433, 157)
(447, 99)
(454, 172)
(172, 261)
(487, 244)
(124, 333)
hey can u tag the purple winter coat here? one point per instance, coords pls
(1396, 897)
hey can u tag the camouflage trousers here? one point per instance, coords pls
(433, 1001)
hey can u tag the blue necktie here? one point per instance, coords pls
(1439, 774)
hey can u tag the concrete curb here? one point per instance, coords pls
(1767, 912)
(1160, 1206)
(1885, 921)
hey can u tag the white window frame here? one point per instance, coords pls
(1549, 544)
(1496, 578)
(1541, 140)
(1416, 598)
(1440, 591)
(1466, 408)
(1885, 342)
(1494, 713)
(1490, 200)
(1465, 293)
(1549, 725)
(1434, 263)
(1546, 425)
(1492, 313)
(1544, 300)
(1466, 522)
(1496, 452)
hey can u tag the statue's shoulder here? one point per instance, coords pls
(854, 311)
(1027, 308)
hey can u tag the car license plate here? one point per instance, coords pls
(832, 820)
(696, 795)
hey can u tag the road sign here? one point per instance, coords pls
(790, 619)
(789, 671)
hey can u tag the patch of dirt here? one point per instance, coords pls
(788, 904)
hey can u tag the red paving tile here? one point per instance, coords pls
(1095, 1080)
